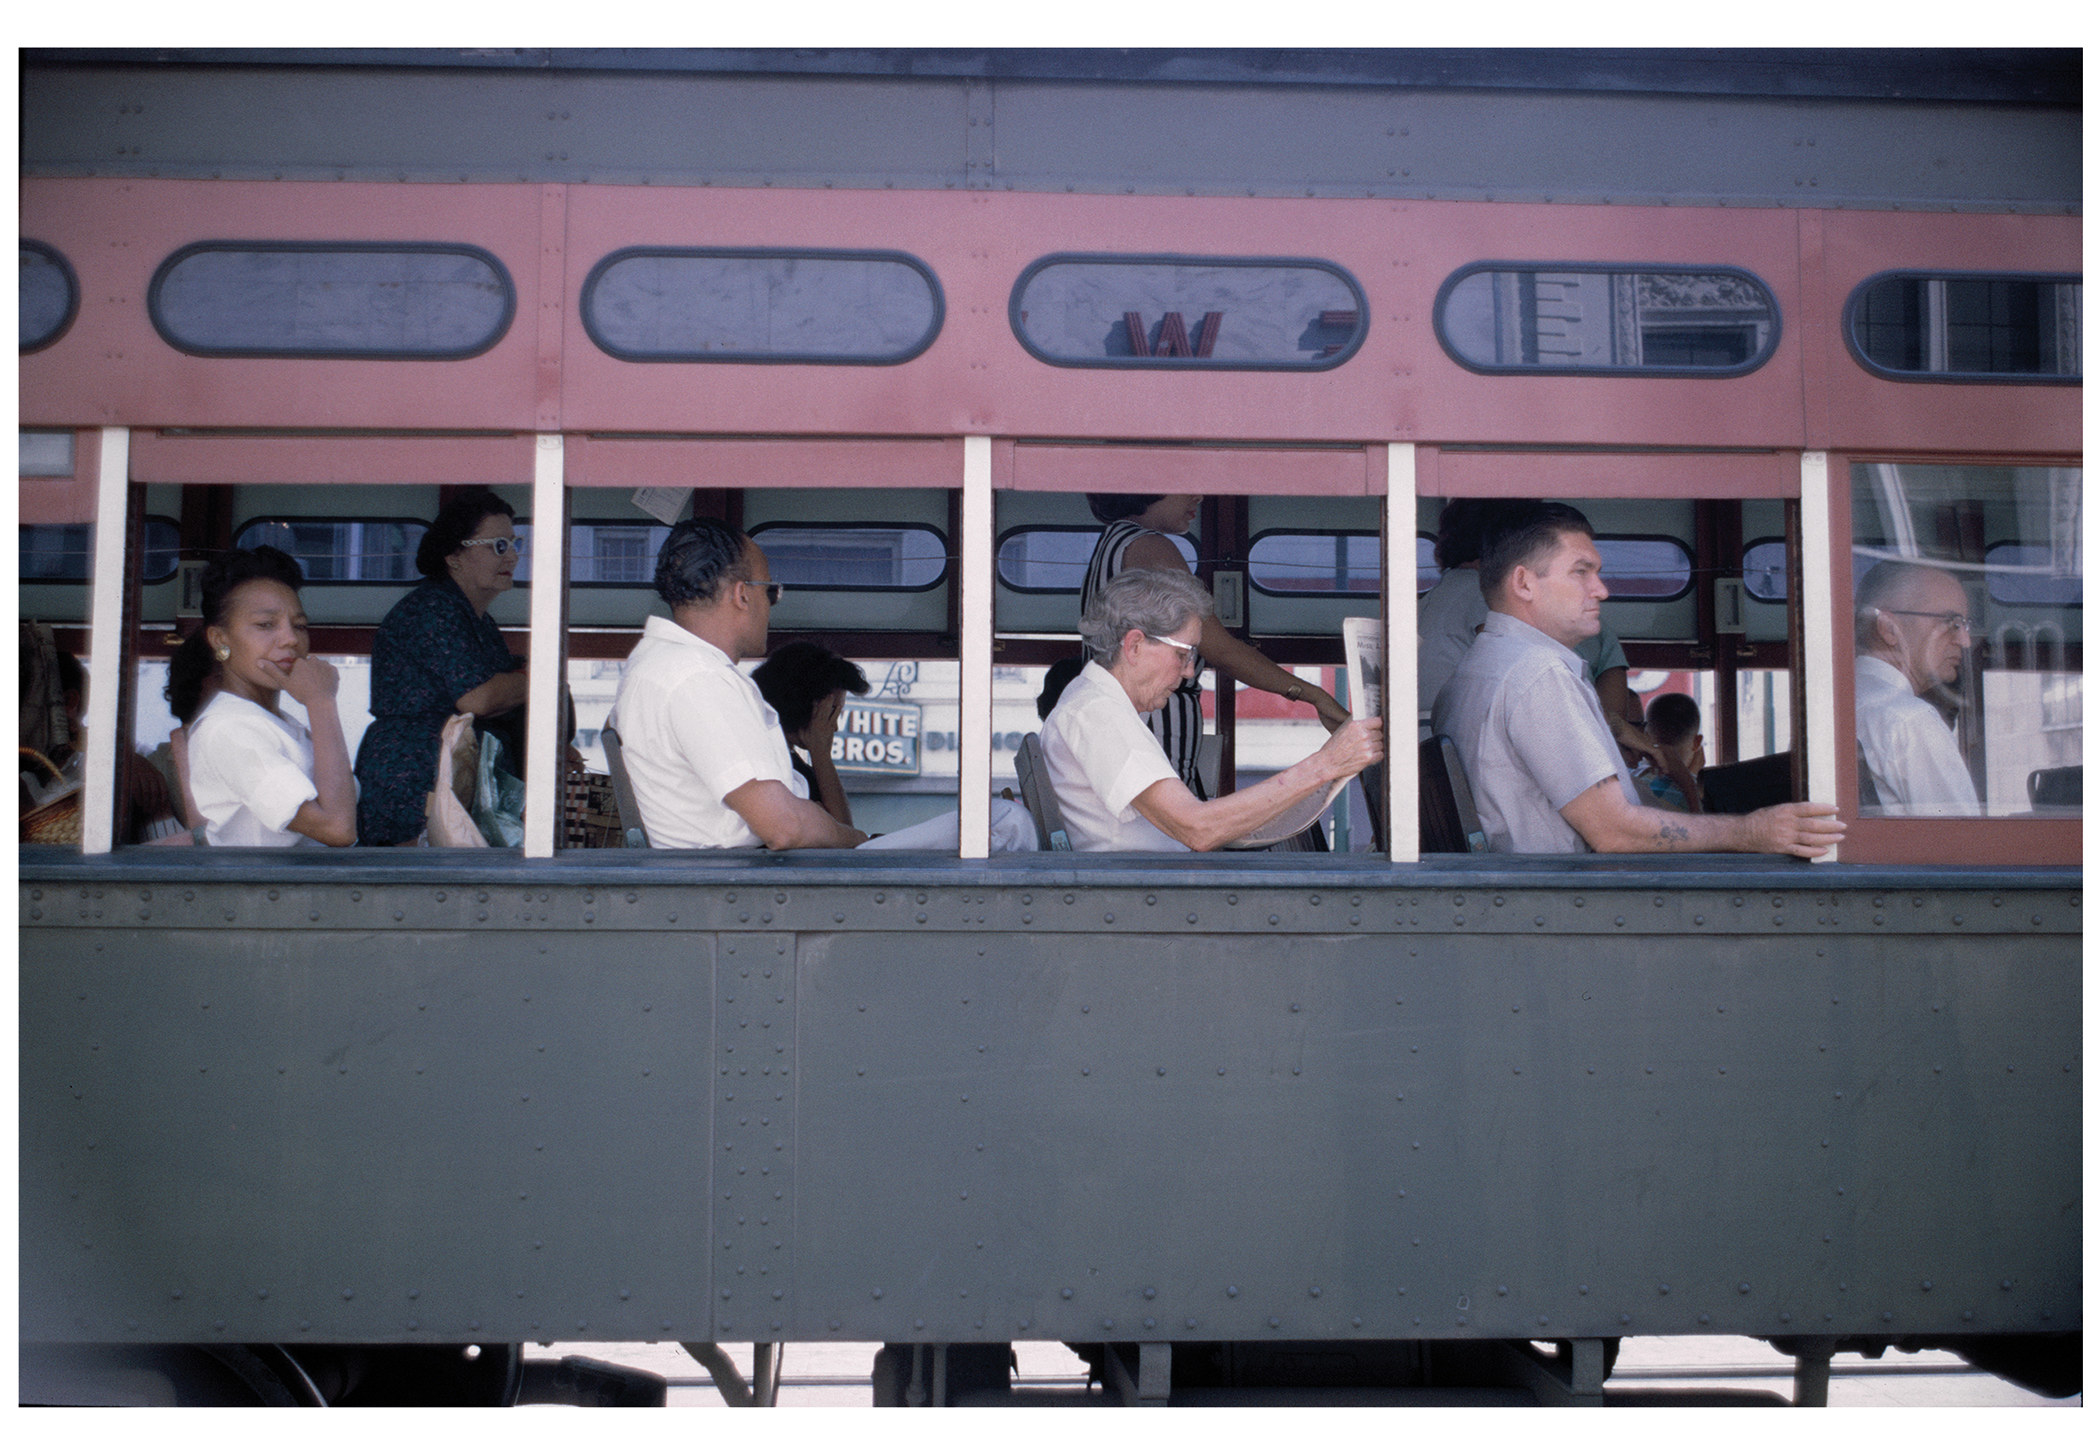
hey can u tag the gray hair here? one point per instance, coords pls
(1152, 601)
(1887, 585)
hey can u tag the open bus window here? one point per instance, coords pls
(1575, 318)
(1954, 327)
(1968, 587)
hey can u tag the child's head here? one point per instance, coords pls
(1673, 723)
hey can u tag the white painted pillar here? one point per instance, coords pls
(98, 817)
(1403, 802)
(976, 613)
(1818, 625)
(549, 613)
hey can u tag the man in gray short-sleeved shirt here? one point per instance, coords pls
(1546, 774)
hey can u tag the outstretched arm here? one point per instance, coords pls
(1209, 824)
(1604, 818)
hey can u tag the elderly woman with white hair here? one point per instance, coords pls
(1112, 779)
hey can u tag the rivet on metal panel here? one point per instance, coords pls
(1275, 1322)
(1062, 1293)
(1235, 900)
(1231, 1290)
(1191, 1323)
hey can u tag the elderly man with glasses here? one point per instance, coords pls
(1911, 625)
(1111, 776)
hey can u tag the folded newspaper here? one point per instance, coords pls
(1363, 650)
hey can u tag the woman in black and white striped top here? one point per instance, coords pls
(1140, 535)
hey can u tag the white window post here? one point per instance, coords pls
(544, 744)
(1402, 758)
(98, 815)
(1818, 626)
(975, 801)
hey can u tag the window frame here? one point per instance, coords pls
(72, 312)
(303, 354)
(1371, 593)
(86, 578)
(1691, 563)
(947, 555)
(999, 539)
(1744, 571)
(1715, 374)
(415, 577)
(808, 359)
(1855, 302)
(1187, 364)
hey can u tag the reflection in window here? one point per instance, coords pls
(1593, 319)
(1969, 690)
(46, 453)
(342, 550)
(65, 552)
(853, 557)
(1426, 571)
(1053, 560)
(331, 299)
(1973, 327)
(659, 304)
(1188, 312)
(48, 298)
(1315, 563)
(1764, 570)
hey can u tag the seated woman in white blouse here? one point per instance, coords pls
(257, 776)
(1113, 781)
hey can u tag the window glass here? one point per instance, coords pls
(342, 550)
(1971, 327)
(49, 296)
(1188, 312)
(853, 556)
(1645, 568)
(1053, 560)
(1576, 318)
(1426, 571)
(1764, 570)
(46, 453)
(1315, 563)
(662, 304)
(65, 552)
(331, 299)
(1969, 693)
(610, 553)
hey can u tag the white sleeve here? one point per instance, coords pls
(1120, 758)
(725, 738)
(249, 763)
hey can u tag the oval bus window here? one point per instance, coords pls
(64, 553)
(1316, 563)
(1955, 327)
(1053, 560)
(1646, 568)
(342, 550)
(49, 298)
(697, 304)
(377, 300)
(853, 556)
(1275, 313)
(1503, 317)
(2032, 574)
(1764, 570)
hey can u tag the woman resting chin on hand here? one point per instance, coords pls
(259, 777)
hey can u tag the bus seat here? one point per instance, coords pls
(2062, 786)
(623, 789)
(1450, 823)
(1035, 794)
(1749, 785)
(1210, 753)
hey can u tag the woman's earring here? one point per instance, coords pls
(222, 653)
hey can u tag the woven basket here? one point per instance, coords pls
(590, 820)
(55, 822)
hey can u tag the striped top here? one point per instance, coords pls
(1179, 724)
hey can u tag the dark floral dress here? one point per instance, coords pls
(430, 649)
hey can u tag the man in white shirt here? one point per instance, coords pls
(1545, 771)
(703, 749)
(1910, 627)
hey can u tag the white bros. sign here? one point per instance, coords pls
(877, 739)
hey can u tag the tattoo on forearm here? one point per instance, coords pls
(1665, 835)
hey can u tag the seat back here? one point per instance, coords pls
(1753, 784)
(623, 789)
(1035, 794)
(2063, 785)
(1450, 823)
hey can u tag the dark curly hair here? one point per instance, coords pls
(457, 522)
(193, 664)
(795, 676)
(1110, 507)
